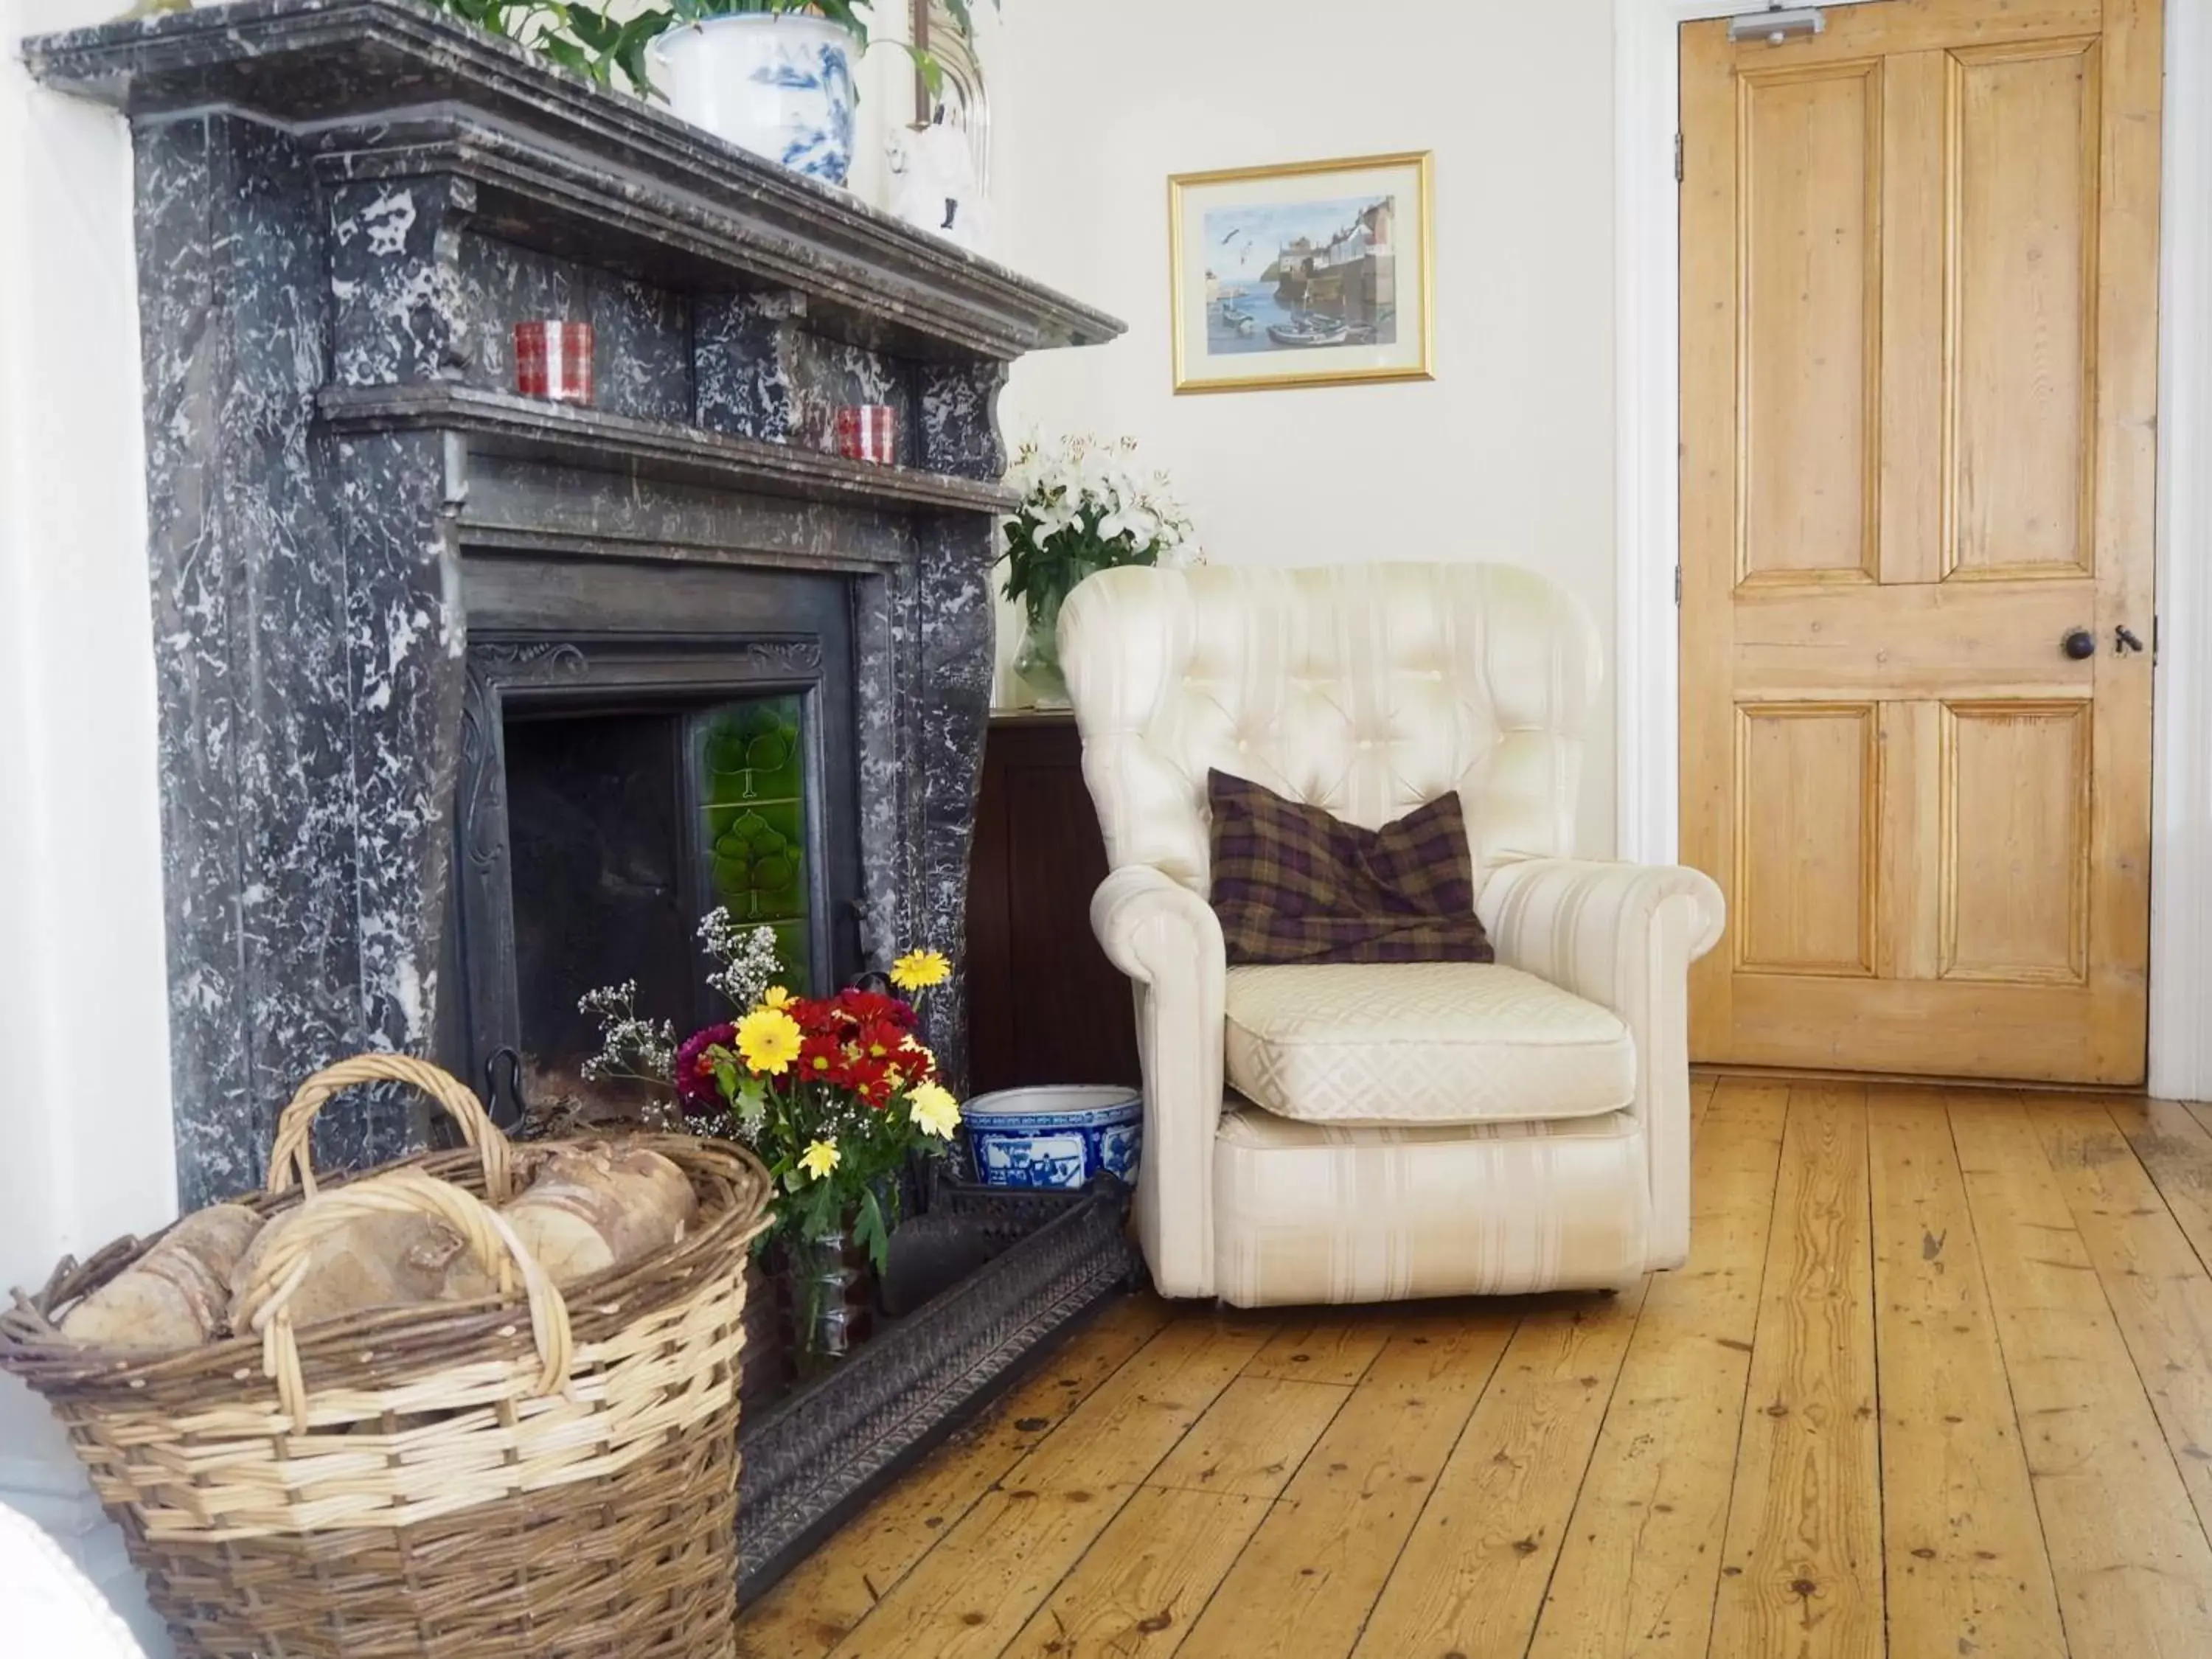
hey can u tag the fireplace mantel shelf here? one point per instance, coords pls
(503, 423)
(390, 90)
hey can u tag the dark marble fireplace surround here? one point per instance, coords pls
(341, 207)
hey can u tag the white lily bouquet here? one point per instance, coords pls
(1085, 506)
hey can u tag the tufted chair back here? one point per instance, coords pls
(1366, 690)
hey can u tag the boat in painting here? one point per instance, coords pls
(1310, 328)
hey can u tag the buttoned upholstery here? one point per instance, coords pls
(1369, 691)
(1365, 689)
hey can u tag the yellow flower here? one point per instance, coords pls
(777, 997)
(819, 1158)
(933, 1109)
(917, 970)
(767, 1040)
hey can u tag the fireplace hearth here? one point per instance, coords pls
(455, 687)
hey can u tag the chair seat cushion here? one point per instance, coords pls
(1422, 1042)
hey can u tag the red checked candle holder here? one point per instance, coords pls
(868, 432)
(553, 361)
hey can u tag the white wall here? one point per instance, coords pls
(85, 1147)
(1508, 454)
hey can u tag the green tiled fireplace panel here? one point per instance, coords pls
(752, 788)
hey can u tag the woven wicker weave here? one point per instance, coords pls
(537, 1477)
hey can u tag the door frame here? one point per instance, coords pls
(1647, 461)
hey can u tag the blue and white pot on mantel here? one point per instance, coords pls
(780, 85)
(1058, 1135)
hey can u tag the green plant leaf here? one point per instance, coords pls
(870, 1232)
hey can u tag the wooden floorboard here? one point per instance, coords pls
(1801, 1570)
(824, 1597)
(1968, 1570)
(2133, 1569)
(1936, 1381)
(1139, 1589)
(2176, 1149)
(1472, 1576)
(973, 1592)
(2159, 1291)
(1312, 1570)
(1642, 1557)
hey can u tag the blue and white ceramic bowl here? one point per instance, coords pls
(1058, 1136)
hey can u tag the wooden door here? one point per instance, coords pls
(1919, 295)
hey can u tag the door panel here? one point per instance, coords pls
(2016, 860)
(1805, 880)
(2022, 193)
(1919, 301)
(1812, 161)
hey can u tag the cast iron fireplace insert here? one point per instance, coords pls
(614, 788)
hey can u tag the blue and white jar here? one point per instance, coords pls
(778, 84)
(1056, 1136)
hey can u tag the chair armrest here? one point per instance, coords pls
(1151, 926)
(1167, 940)
(1623, 936)
(1585, 924)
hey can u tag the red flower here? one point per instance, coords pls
(816, 1016)
(870, 1079)
(695, 1082)
(874, 1008)
(822, 1058)
(879, 1042)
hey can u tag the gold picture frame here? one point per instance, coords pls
(1303, 273)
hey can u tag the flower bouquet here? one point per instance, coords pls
(835, 1094)
(1084, 507)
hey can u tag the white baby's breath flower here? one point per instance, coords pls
(748, 957)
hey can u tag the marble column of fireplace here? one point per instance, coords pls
(342, 206)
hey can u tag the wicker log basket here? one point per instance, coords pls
(532, 1476)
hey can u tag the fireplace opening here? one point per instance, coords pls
(628, 828)
(617, 804)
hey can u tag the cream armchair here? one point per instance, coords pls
(1351, 1134)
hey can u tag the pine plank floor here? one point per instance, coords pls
(1936, 1383)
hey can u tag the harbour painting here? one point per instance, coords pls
(1302, 274)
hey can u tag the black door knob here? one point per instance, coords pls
(2079, 642)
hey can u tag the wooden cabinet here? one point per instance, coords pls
(1044, 1003)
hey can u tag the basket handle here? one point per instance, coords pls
(264, 1301)
(289, 1160)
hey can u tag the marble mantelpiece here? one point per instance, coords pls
(342, 206)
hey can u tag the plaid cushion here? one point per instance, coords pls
(1292, 884)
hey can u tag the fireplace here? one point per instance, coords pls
(458, 690)
(616, 788)
(470, 703)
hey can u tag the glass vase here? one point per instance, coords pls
(1037, 662)
(831, 1296)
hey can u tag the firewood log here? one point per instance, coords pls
(176, 1295)
(369, 1261)
(597, 1206)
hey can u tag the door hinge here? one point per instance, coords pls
(1678, 158)
(1678, 586)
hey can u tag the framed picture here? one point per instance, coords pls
(1310, 274)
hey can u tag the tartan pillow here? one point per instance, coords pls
(1292, 884)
